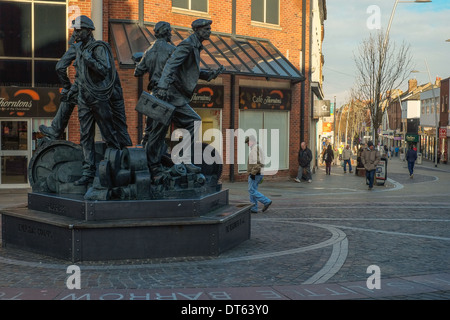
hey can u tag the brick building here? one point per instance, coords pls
(264, 44)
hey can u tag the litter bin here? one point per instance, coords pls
(419, 158)
(381, 171)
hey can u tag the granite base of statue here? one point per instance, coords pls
(122, 214)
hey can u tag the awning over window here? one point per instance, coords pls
(238, 54)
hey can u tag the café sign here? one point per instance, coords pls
(251, 98)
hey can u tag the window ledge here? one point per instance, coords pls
(265, 25)
(200, 14)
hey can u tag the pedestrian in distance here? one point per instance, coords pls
(328, 157)
(347, 157)
(411, 157)
(304, 163)
(370, 158)
(255, 175)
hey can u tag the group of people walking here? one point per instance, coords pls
(368, 157)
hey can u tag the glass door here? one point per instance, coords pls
(15, 152)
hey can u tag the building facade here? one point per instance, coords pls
(265, 46)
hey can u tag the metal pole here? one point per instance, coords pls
(339, 129)
(389, 26)
(346, 126)
(334, 121)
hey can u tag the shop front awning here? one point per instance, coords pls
(238, 54)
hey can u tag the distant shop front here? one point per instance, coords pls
(22, 110)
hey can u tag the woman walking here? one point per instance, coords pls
(328, 157)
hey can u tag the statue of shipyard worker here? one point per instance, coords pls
(69, 97)
(153, 62)
(96, 76)
(176, 86)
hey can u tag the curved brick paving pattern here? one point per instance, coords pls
(315, 242)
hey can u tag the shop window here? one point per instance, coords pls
(14, 169)
(15, 73)
(19, 36)
(195, 5)
(43, 75)
(274, 122)
(15, 29)
(50, 31)
(266, 11)
(211, 119)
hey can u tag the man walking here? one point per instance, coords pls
(255, 176)
(370, 158)
(304, 162)
(411, 157)
(347, 157)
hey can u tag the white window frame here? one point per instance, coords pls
(265, 24)
(189, 11)
(265, 113)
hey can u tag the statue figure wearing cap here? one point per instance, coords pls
(66, 107)
(96, 77)
(176, 85)
(153, 62)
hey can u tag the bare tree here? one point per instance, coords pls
(381, 68)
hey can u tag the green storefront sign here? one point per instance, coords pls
(412, 137)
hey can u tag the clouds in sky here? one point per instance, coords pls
(425, 27)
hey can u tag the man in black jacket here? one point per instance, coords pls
(304, 162)
(411, 157)
(176, 85)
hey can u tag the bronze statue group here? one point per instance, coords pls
(173, 73)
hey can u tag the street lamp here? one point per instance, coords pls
(393, 12)
(383, 55)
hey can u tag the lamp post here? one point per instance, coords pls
(393, 12)
(334, 121)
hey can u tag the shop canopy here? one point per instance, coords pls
(238, 54)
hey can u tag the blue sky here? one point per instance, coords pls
(425, 27)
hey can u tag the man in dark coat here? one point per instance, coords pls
(153, 62)
(176, 85)
(411, 157)
(370, 159)
(304, 162)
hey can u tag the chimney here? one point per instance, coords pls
(438, 81)
(412, 84)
